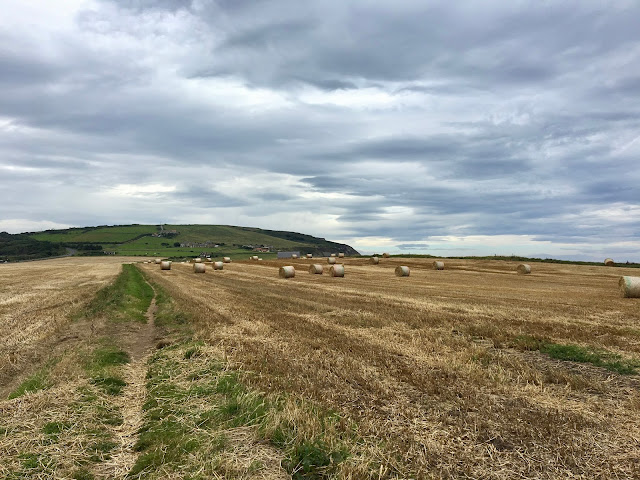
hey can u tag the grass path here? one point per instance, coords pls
(130, 402)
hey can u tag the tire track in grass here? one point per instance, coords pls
(130, 402)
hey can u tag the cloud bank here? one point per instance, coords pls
(483, 128)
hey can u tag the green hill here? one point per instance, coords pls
(188, 240)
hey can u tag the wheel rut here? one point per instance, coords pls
(130, 402)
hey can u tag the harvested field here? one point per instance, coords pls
(37, 298)
(465, 372)
(469, 372)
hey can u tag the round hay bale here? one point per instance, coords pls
(609, 262)
(316, 269)
(438, 265)
(374, 260)
(333, 254)
(336, 270)
(218, 265)
(287, 272)
(259, 259)
(158, 261)
(402, 271)
(165, 266)
(524, 269)
(630, 287)
(341, 255)
(331, 260)
(198, 260)
(255, 257)
(309, 255)
(385, 255)
(199, 268)
(226, 260)
(294, 256)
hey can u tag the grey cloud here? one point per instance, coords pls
(404, 42)
(412, 246)
(141, 5)
(505, 119)
(329, 83)
(206, 197)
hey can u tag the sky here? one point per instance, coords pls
(451, 128)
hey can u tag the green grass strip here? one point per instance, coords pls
(172, 432)
(104, 357)
(576, 353)
(102, 365)
(37, 381)
(128, 298)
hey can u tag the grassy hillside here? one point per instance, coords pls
(231, 240)
(230, 235)
(103, 234)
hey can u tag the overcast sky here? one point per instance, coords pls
(405, 126)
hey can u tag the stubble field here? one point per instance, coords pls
(469, 372)
(36, 299)
(441, 370)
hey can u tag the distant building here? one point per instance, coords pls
(288, 254)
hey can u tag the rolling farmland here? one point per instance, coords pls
(139, 240)
(439, 366)
(472, 371)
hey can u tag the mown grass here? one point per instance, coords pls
(102, 365)
(82, 474)
(55, 428)
(576, 353)
(37, 381)
(127, 299)
(106, 356)
(176, 430)
(64, 439)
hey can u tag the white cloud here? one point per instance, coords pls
(19, 225)
(137, 190)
